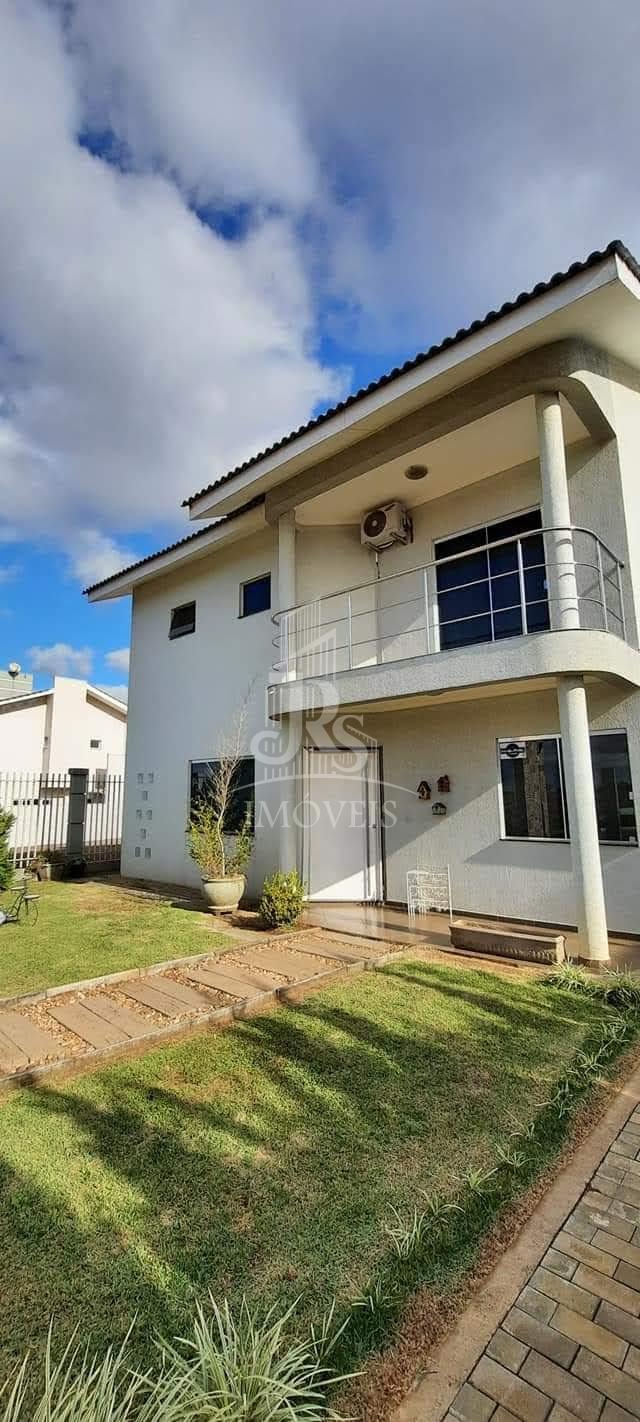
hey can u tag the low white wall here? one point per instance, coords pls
(509, 878)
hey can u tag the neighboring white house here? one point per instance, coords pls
(434, 587)
(73, 724)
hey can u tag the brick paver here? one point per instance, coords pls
(568, 1348)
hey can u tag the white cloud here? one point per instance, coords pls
(9, 572)
(142, 352)
(94, 555)
(118, 659)
(403, 166)
(120, 691)
(61, 660)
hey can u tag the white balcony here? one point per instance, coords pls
(482, 613)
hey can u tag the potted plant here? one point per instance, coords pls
(218, 844)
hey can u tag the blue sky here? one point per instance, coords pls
(217, 220)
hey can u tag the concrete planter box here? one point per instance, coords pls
(506, 943)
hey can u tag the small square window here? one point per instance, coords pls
(147, 853)
(255, 596)
(95, 745)
(183, 620)
(137, 851)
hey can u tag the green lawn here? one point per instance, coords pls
(267, 1158)
(86, 929)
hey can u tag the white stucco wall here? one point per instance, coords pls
(22, 733)
(184, 694)
(510, 878)
(76, 720)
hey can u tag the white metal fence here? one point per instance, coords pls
(40, 807)
(103, 818)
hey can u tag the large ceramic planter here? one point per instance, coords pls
(223, 895)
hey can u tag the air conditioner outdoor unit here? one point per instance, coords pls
(388, 524)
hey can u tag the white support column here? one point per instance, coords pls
(291, 794)
(583, 823)
(292, 726)
(556, 514)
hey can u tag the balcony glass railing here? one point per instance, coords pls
(548, 579)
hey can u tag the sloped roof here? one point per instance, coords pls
(615, 248)
(170, 548)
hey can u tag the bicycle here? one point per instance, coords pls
(23, 909)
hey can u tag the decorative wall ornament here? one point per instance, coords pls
(444, 785)
(424, 790)
(439, 808)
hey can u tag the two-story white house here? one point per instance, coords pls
(429, 600)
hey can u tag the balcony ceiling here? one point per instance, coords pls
(502, 440)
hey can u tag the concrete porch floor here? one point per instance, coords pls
(386, 921)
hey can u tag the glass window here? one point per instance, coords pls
(243, 791)
(183, 620)
(532, 789)
(614, 791)
(255, 596)
(480, 593)
(95, 745)
(533, 792)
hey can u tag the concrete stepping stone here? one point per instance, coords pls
(94, 1030)
(179, 992)
(233, 981)
(128, 1022)
(11, 1058)
(28, 1038)
(341, 954)
(151, 997)
(281, 962)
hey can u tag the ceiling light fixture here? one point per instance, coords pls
(416, 471)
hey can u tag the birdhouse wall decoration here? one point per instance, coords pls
(444, 785)
(439, 808)
(424, 790)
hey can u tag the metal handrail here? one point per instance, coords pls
(291, 638)
(451, 558)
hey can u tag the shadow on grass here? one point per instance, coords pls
(265, 1159)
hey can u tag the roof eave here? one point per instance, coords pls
(189, 550)
(450, 362)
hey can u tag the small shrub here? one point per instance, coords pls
(407, 1235)
(6, 866)
(247, 1370)
(79, 1388)
(620, 988)
(512, 1159)
(477, 1178)
(571, 977)
(282, 899)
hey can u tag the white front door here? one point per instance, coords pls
(341, 833)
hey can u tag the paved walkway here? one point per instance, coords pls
(391, 923)
(569, 1346)
(120, 1011)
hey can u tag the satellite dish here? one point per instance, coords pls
(13, 669)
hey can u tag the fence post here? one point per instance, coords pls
(77, 810)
